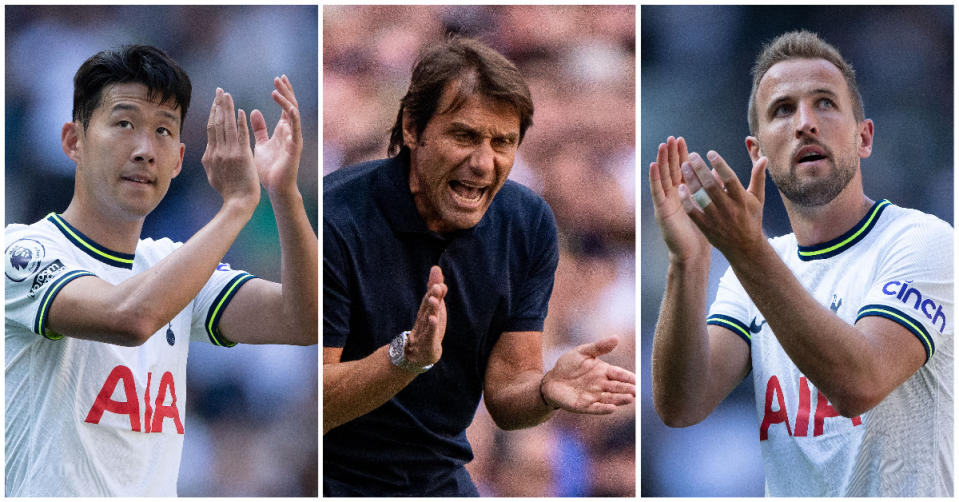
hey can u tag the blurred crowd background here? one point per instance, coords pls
(695, 83)
(579, 155)
(251, 416)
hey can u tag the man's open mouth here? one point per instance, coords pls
(467, 192)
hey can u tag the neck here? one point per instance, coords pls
(115, 233)
(815, 225)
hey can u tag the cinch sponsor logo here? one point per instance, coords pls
(49, 272)
(911, 296)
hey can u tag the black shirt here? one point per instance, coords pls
(377, 252)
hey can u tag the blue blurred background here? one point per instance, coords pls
(252, 410)
(695, 83)
(579, 62)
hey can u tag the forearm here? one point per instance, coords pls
(518, 404)
(299, 265)
(354, 388)
(681, 346)
(128, 313)
(835, 356)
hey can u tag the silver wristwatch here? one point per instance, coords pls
(398, 355)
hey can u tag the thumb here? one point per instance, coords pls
(599, 348)
(757, 180)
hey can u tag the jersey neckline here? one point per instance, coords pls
(88, 246)
(845, 241)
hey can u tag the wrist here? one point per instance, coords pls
(241, 205)
(397, 353)
(542, 394)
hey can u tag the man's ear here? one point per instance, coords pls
(866, 132)
(752, 146)
(71, 140)
(179, 162)
(410, 137)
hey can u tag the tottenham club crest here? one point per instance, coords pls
(23, 259)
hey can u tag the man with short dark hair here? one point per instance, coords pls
(405, 363)
(98, 321)
(845, 325)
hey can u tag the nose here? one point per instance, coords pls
(807, 121)
(144, 149)
(481, 160)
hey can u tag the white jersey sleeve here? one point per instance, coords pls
(913, 286)
(36, 268)
(208, 306)
(212, 301)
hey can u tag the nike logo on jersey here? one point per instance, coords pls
(756, 328)
(912, 297)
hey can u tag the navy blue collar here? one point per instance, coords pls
(88, 246)
(847, 240)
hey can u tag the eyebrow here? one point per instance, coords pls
(461, 126)
(822, 90)
(134, 108)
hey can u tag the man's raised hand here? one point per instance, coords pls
(424, 346)
(278, 157)
(684, 241)
(582, 383)
(228, 160)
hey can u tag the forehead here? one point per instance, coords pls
(798, 77)
(476, 110)
(134, 93)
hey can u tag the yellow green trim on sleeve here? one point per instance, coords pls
(915, 327)
(731, 324)
(40, 324)
(219, 306)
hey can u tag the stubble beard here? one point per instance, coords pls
(816, 192)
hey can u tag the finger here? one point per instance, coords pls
(685, 197)
(599, 408)
(703, 174)
(672, 152)
(757, 179)
(614, 387)
(617, 374)
(258, 123)
(656, 185)
(616, 399)
(689, 178)
(599, 348)
(683, 150)
(662, 165)
(229, 120)
(283, 85)
(290, 114)
(243, 131)
(218, 117)
(726, 175)
(211, 122)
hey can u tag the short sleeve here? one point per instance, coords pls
(37, 268)
(914, 284)
(336, 298)
(531, 301)
(731, 308)
(209, 305)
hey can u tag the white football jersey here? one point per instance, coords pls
(895, 263)
(86, 418)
